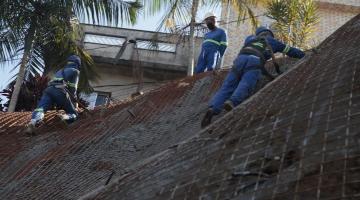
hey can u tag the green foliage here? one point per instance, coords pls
(178, 14)
(63, 41)
(179, 11)
(30, 93)
(295, 20)
(57, 32)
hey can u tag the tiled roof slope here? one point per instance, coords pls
(65, 163)
(296, 139)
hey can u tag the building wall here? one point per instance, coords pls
(119, 83)
(116, 72)
(332, 15)
(176, 61)
(342, 2)
(237, 32)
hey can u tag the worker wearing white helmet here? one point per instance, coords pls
(213, 47)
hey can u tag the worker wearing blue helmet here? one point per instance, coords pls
(61, 91)
(247, 70)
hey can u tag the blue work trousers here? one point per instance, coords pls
(54, 96)
(239, 83)
(208, 59)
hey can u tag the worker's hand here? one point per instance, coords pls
(315, 50)
(76, 106)
(79, 110)
(312, 51)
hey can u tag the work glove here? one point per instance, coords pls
(77, 107)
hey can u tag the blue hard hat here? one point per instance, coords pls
(263, 29)
(76, 59)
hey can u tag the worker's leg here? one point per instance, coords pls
(227, 88)
(229, 85)
(245, 86)
(44, 104)
(201, 64)
(63, 100)
(212, 58)
(71, 113)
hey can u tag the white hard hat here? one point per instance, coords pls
(209, 14)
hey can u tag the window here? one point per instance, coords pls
(102, 39)
(96, 99)
(162, 46)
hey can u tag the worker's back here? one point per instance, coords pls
(69, 75)
(60, 92)
(276, 47)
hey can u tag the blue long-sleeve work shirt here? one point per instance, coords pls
(70, 76)
(216, 39)
(278, 47)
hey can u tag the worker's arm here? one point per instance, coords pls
(279, 47)
(72, 78)
(223, 43)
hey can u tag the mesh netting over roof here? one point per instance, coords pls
(297, 138)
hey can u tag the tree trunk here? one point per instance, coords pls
(194, 10)
(24, 61)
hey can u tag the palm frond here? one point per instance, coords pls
(35, 65)
(9, 45)
(62, 42)
(295, 20)
(106, 12)
(244, 8)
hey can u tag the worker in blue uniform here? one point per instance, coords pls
(213, 47)
(61, 91)
(247, 70)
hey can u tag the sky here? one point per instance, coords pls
(143, 23)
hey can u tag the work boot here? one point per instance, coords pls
(36, 120)
(67, 118)
(207, 118)
(228, 105)
(30, 129)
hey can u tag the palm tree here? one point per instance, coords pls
(295, 20)
(183, 11)
(32, 28)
